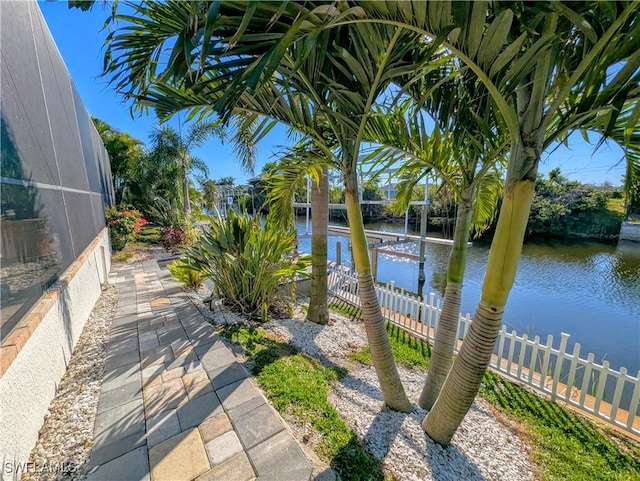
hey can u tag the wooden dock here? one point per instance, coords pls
(390, 237)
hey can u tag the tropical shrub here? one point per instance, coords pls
(251, 266)
(172, 238)
(124, 225)
(188, 274)
(563, 207)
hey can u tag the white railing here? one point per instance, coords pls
(596, 389)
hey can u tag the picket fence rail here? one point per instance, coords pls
(595, 389)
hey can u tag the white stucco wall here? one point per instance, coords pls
(30, 382)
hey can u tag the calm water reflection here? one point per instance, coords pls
(590, 290)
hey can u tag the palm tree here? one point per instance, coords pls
(318, 300)
(342, 82)
(302, 161)
(171, 143)
(210, 194)
(521, 52)
(472, 169)
(537, 61)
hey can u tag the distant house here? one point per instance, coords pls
(55, 182)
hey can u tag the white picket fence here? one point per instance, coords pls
(596, 389)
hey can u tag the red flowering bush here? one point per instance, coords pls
(124, 225)
(173, 237)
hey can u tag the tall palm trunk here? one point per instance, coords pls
(318, 308)
(447, 333)
(381, 354)
(463, 381)
(185, 190)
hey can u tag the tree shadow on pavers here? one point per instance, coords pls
(117, 431)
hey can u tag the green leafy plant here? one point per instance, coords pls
(250, 265)
(124, 225)
(186, 273)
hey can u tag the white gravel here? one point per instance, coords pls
(66, 436)
(482, 449)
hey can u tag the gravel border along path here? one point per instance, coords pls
(66, 436)
(482, 449)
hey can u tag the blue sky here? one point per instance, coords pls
(79, 39)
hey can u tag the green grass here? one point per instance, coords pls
(565, 446)
(149, 234)
(407, 350)
(123, 255)
(298, 385)
(616, 206)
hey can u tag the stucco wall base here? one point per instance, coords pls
(29, 383)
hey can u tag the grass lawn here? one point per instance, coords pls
(149, 235)
(566, 446)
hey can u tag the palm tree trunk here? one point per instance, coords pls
(381, 354)
(447, 333)
(463, 381)
(318, 308)
(185, 191)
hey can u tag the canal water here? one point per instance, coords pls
(590, 290)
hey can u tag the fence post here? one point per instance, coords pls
(572, 371)
(534, 356)
(521, 355)
(564, 337)
(501, 336)
(617, 394)
(635, 399)
(602, 381)
(339, 253)
(545, 362)
(512, 346)
(587, 377)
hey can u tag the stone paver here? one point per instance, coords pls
(214, 427)
(236, 468)
(162, 426)
(180, 458)
(280, 455)
(258, 425)
(223, 447)
(132, 466)
(195, 411)
(174, 403)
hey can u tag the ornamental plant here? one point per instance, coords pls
(186, 273)
(251, 266)
(124, 225)
(172, 238)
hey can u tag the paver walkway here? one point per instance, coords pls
(175, 405)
